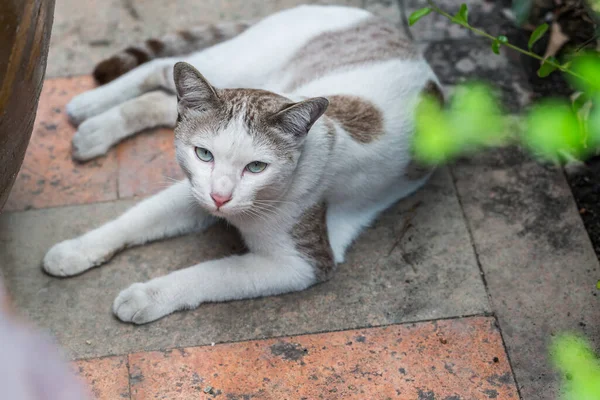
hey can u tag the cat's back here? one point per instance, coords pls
(357, 46)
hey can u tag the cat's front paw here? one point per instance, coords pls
(140, 303)
(92, 139)
(67, 258)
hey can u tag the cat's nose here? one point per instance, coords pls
(220, 200)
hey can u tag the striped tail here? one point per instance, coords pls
(173, 44)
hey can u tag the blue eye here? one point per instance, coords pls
(256, 166)
(204, 154)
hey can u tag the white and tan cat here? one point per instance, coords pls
(313, 148)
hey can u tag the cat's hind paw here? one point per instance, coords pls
(93, 139)
(140, 304)
(66, 259)
(83, 106)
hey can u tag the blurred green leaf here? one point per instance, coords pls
(433, 142)
(537, 35)
(502, 39)
(547, 68)
(579, 366)
(593, 122)
(588, 66)
(475, 111)
(462, 15)
(554, 130)
(598, 285)
(417, 15)
(579, 102)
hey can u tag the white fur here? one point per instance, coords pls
(358, 181)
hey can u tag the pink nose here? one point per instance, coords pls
(220, 200)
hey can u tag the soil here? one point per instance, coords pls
(586, 190)
(585, 183)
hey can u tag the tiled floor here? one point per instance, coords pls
(448, 359)
(496, 237)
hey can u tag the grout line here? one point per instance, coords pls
(423, 321)
(470, 232)
(483, 278)
(510, 363)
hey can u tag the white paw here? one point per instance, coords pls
(140, 303)
(67, 258)
(84, 106)
(94, 137)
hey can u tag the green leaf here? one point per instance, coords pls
(547, 68)
(579, 102)
(537, 35)
(574, 358)
(496, 46)
(475, 109)
(433, 141)
(587, 66)
(598, 285)
(417, 15)
(554, 130)
(462, 15)
(496, 43)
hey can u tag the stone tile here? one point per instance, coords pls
(454, 359)
(107, 378)
(85, 32)
(539, 265)
(147, 163)
(428, 272)
(49, 177)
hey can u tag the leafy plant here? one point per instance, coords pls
(554, 130)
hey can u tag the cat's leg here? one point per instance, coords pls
(97, 134)
(169, 213)
(157, 74)
(231, 278)
(344, 224)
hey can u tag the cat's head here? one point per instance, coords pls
(238, 147)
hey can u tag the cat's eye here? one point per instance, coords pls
(204, 154)
(256, 166)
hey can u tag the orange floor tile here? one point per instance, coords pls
(445, 360)
(140, 166)
(147, 163)
(107, 378)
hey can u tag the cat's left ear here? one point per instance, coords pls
(193, 90)
(299, 117)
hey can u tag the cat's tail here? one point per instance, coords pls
(173, 44)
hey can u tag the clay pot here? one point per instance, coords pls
(25, 27)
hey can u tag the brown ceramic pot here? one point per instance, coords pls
(25, 27)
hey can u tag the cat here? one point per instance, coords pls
(306, 155)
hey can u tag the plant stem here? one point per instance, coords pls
(479, 32)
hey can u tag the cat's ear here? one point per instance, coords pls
(299, 117)
(193, 90)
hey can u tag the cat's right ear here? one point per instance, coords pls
(193, 90)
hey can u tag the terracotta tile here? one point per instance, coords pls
(107, 378)
(147, 163)
(450, 359)
(48, 176)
